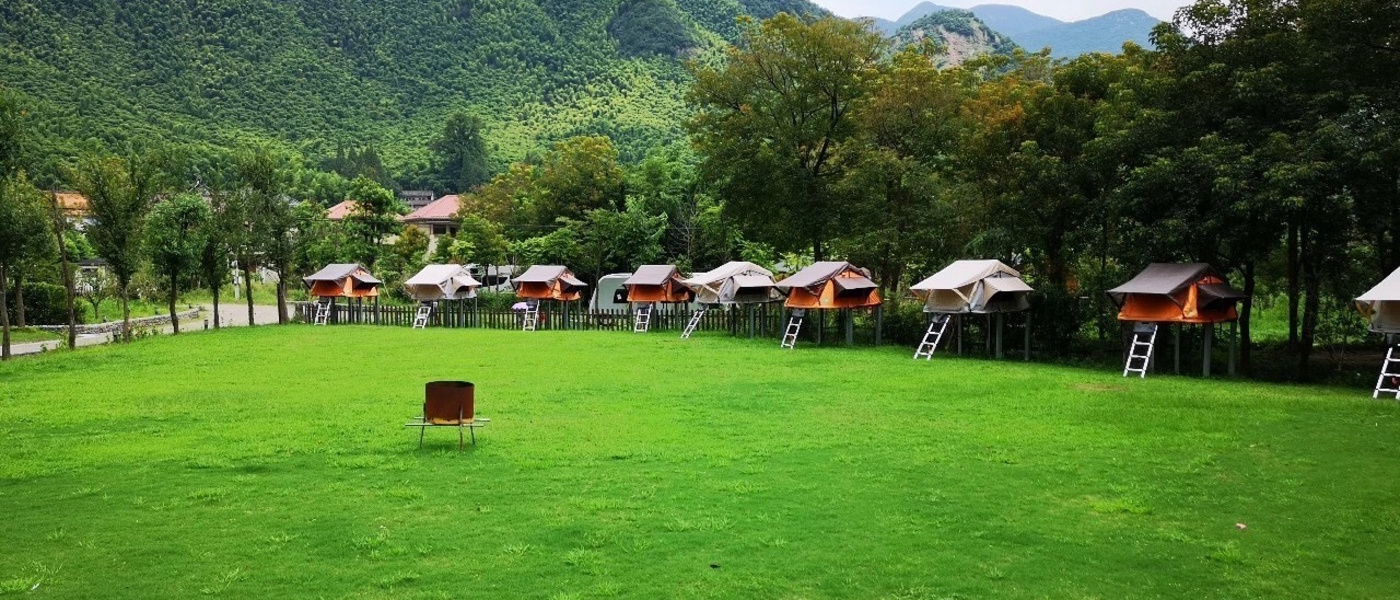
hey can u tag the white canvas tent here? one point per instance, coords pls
(442, 282)
(734, 283)
(1381, 305)
(974, 287)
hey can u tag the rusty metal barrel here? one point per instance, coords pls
(449, 401)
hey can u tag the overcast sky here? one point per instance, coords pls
(1065, 10)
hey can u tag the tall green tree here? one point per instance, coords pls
(214, 256)
(120, 192)
(771, 122)
(462, 160)
(23, 227)
(265, 176)
(576, 176)
(175, 242)
(374, 217)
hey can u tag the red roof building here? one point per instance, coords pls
(438, 218)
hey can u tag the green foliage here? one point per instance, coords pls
(480, 241)
(771, 120)
(44, 303)
(461, 155)
(575, 177)
(175, 240)
(650, 27)
(325, 75)
(373, 217)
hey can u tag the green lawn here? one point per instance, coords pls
(30, 335)
(271, 463)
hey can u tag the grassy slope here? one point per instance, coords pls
(270, 463)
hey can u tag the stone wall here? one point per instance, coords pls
(116, 326)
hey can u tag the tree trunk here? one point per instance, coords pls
(174, 318)
(1312, 287)
(248, 291)
(282, 318)
(214, 290)
(126, 315)
(1292, 274)
(4, 314)
(19, 299)
(1246, 317)
(59, 225)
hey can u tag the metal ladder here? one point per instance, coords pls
(323, 310)
(690, 327)
(643, 322)
(794, 327)
(1140, 346)
(532, 317)
(1386, 371)
(936, 328)
(420, 320)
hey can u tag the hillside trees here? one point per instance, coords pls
(772, 120)
(462, 159)
(373, 217)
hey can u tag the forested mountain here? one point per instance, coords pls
(317, 74)
(959, 33)
(1032, 31)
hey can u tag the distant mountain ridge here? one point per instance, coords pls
(1032, 31)
(959, 33)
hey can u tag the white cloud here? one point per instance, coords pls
(1065, 10)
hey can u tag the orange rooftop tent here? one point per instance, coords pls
(830, 285)
(343, 281)
(658, 283)
(1183, 294)
(346, 280)
(827, 286)
(1177, 293)
(548, 282)
(652, 284)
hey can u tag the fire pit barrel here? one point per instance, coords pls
(445, 398)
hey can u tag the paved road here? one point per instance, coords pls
(230, 315)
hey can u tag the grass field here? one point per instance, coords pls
(30, 335)
(272, 463)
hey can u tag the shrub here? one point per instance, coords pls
(44, 304)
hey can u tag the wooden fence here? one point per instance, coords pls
(755, 321)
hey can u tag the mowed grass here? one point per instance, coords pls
(272, 463)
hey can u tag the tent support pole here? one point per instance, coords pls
(1001, 324)
(1233, 341)
(821, 325)
(1178, 349)
(880, 325)
(1205, 349)
(989, 334)
(1028, 336)
(751, 321)
(850, 327)
(960, 334)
